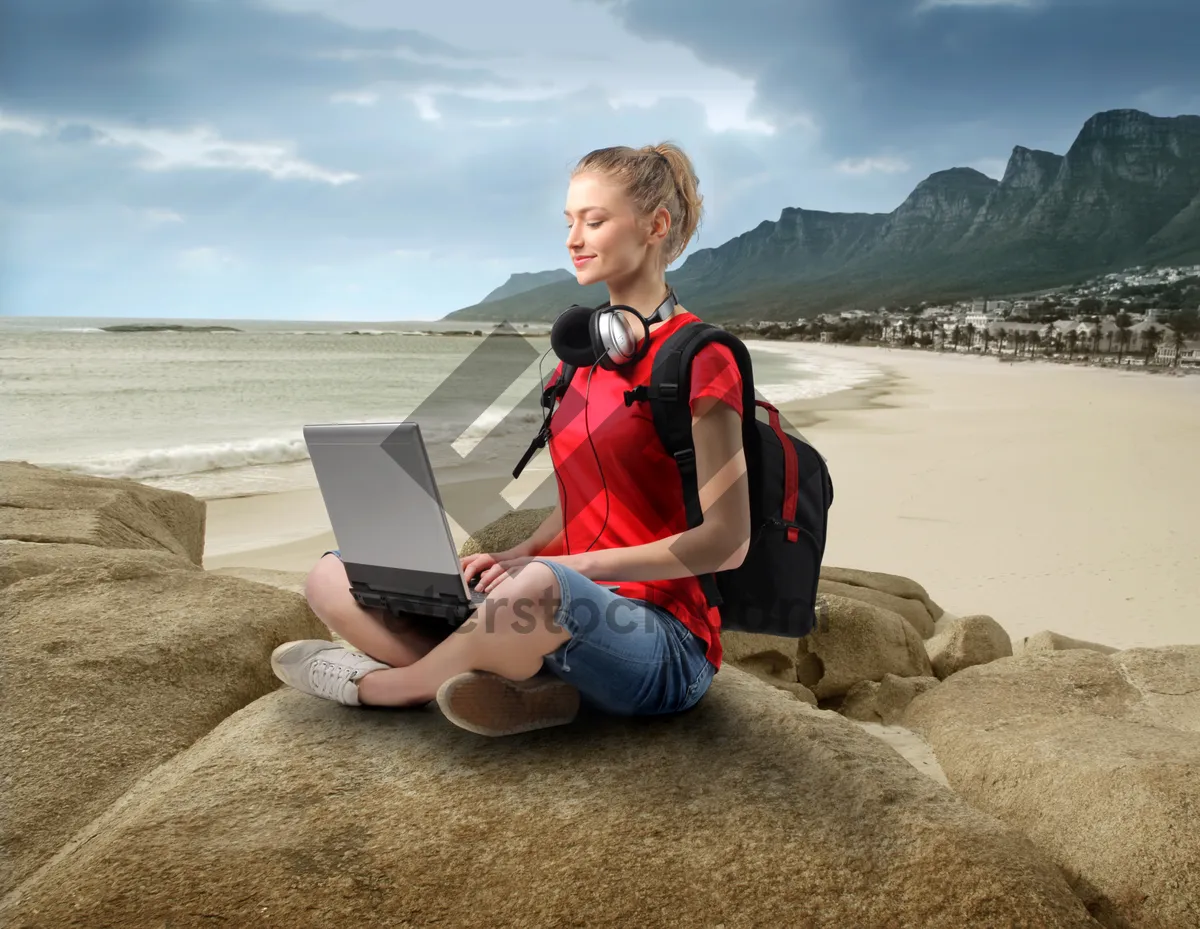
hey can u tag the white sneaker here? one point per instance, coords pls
(323, 669)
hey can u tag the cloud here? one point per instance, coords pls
(204, 148)
(881, 165)
(23, 125)
(873, 71)
(195, 148)
(539, 55)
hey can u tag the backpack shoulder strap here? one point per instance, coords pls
(669, 395)
(669, 392)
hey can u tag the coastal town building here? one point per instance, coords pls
(1190, 355)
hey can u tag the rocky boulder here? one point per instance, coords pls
(117, 651)
(295, 581)
(913, 610)
(892, 584)
(772, 659)
(752, 809)
(503, 533)
(1047, 641)
(1096, 758)
(883, 701)
(854, 641)
(968, 641)
(46, 505)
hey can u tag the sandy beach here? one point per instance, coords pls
(1046, 496)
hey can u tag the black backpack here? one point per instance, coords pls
(774, 590)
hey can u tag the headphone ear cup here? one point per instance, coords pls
(620, 339)
(571, 339)
(598, 324)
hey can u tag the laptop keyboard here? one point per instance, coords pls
(478, 596)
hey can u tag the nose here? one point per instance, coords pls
(574, 237)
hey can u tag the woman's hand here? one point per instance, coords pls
(492, 566)
(505, 565)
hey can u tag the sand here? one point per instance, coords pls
(1047, 496)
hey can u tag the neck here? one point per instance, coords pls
(644, 296)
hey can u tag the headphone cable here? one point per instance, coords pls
(546, 417)
(604, 484)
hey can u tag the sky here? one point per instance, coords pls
(372, 160)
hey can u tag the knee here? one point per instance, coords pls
(536, 586)
(326, 582)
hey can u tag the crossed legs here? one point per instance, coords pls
(508, 635)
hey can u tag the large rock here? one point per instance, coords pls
(1096, 758)
(112, 661)
(883, 701)
(968, 641)
(772, 659)
(295, 581)
(914, 611)
(503, 533)
(46, 505)
(854, 641)
(1047, 641)
(750, 810)
(892, 584)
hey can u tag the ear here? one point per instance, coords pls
(660, 224)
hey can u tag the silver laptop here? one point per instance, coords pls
(387, 516)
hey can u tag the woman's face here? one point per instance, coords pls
(604, 236)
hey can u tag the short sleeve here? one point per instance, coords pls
(715, 374)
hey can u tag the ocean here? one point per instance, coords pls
(220, 414)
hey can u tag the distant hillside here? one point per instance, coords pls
(1126, 192)
(522, 282)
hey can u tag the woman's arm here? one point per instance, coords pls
(721, 541)
(546, 540)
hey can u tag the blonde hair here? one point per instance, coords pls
(654, 176)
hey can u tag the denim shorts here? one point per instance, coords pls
(626, 656)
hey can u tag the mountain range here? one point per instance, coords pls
(1127, 192)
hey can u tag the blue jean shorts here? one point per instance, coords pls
(626, 656)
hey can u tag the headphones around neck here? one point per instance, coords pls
(583, 336)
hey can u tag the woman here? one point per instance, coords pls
(652, 644)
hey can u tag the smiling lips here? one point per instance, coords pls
(581, 260)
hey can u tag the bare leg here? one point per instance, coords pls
(509, 635)
(395, 642)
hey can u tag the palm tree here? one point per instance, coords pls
(987, 337)
(1072, 338)
(1035, 339)
(1177, 342)
(1123, 324)
(1049, 334)
(1150, 339)
(954, 338)
(1001, 335)
(970, 329)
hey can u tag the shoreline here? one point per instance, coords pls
(1045, 496)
